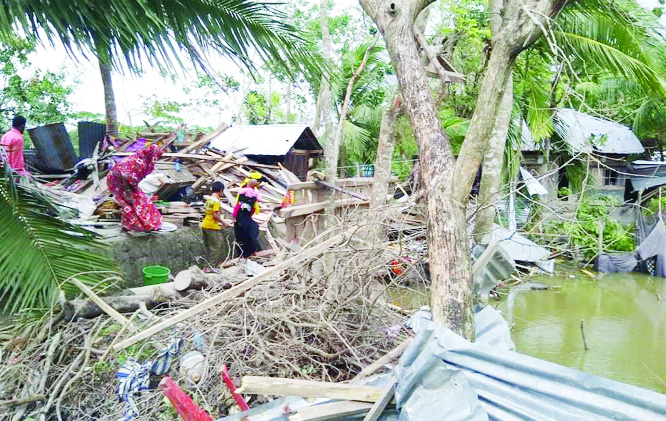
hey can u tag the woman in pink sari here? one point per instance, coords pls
(139, 212)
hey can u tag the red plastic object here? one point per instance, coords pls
(182, 403)
(232, 388)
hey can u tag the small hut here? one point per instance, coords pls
(292, 145)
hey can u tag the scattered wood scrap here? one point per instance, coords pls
(258, 385)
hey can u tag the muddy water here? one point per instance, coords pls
(624, 317)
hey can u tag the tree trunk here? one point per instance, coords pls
(384, 159)
(332, 160)
(448, 246)
(109, 99)
(447, 188)
(491, 178)
(382, 173)
(523, 23)
(86, 309)
(325, 91)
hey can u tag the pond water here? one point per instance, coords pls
(624, 314)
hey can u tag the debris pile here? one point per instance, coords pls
(301, 318)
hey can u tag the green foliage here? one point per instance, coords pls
(41, 99)
(164, 111)
(258, 108)
(39, 251)
(583, 232)
(133, 31)
(455, 128)
(656, 204)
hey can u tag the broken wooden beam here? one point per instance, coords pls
(308, 208)
(259, 385)
(233, 292)
(340, 189)
(380, 404)
(205, 139)
(382, 361)
(485, 258)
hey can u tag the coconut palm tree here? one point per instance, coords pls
(131, 32)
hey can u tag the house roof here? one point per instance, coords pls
(585, 133)
(271, 139)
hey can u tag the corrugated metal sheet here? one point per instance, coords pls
(534, 186)
(272, 140)
(586, 133)
(512, 386)
(517, 247)
(54, 149)
(90, 134)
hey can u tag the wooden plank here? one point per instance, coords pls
(259, 385)
(230, 293)
(293, 178)
(340, 189)
(205, 139)
(101, 303)
(380, 404)
(331, 411)
(382, 361)
(220, 166)
(484, 259)
(298, 210)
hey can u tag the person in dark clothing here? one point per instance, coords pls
(245, 228)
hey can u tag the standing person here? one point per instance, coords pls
(12, 143)
(139, 212)
(211, 226)
(245, 228)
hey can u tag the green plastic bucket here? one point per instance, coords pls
(153, 275)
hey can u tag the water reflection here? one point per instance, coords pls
(624, 316)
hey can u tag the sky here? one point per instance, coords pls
(131, 90)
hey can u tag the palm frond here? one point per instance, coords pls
(39, 251)
(356, 139)
(614, 44)
(132, 31)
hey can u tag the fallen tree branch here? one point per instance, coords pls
(120, 304)
(230, 293)
(22, 401)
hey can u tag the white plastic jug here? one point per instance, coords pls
(193, 366)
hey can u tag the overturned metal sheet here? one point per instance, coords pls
(55, 152)
(513, 386)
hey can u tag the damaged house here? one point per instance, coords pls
(610, 146)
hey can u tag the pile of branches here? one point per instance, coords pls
(324, 319)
